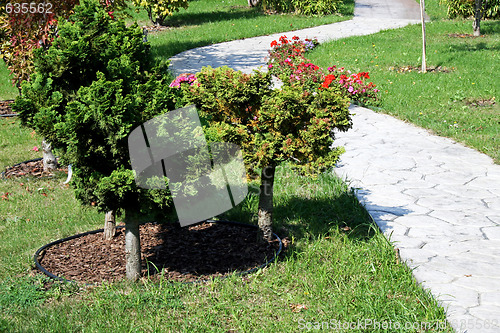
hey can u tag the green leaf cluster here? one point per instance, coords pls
(465, 8)
(91, 88)
(159, 10)
(303, 7)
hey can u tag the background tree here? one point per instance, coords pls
(477, 9)
(24, 27)
(90, 88)
(159, 10)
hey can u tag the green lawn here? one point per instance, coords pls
(461, 103)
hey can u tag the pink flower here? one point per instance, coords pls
(35, 148)
(350, 89)
(270, 65)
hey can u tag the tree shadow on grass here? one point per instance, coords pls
(187, 19)
(306, 219)
(490, 27)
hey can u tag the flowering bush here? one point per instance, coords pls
(287, 61)
(354, 84)
(288, 53)
(183, 78)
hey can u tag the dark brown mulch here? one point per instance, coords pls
(34, 169)
(480, 102)
(463, 36)
(5, 107)
(198, 252)
(430, 69)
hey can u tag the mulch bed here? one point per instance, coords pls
(464, 36)
(198, 252)
(34, 169)
(480, 102)
(5, 107)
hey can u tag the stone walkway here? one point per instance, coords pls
(438, 201)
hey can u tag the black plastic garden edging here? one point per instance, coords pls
(62, 240)
(9, 115)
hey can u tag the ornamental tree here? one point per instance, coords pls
(90, 89)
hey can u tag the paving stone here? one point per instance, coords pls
(492, 233)
(421, 221)
(450, 178)
(405, 242)
(486, 312)
(464, 191)
(454, 295)
(479, 283)
(424, 273)
(493, 203)
(492, 298)
(488, 182)
(461, 218)
(444, 202)
(416, 256)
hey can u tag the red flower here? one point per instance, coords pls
(274, 43)
(295, 38)
(328, 79)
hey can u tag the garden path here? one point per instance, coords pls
(438, 201)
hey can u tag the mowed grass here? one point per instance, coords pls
(461, 103)
(7, 90)
(338, 269)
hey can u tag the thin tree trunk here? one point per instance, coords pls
(424, 38)
(476, 25)
(253, 3)
(132, 249)
(109, 225)
(49, 160)
(266, 202)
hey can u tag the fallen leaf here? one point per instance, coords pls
(5, 196)
(298, 307)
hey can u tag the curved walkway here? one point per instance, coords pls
(438, 201)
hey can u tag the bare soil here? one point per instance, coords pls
(198, 252)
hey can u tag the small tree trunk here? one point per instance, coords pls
(424, 38)
(253, 3)
(266, 202)
(49, 160)
(132, 249)
(109, 225)
(476, 25)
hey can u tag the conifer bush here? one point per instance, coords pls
(90, 89)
